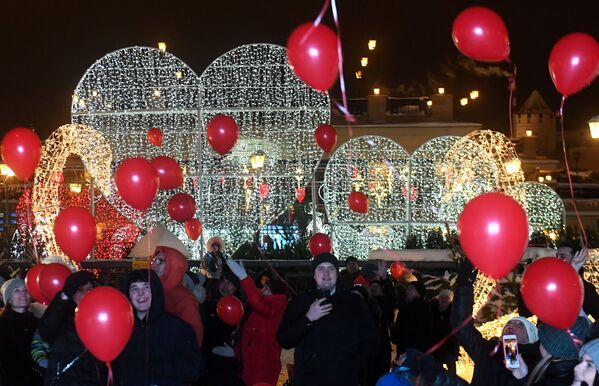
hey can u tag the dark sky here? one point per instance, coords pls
(48, 45)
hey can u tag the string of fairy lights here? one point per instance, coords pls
(275, 153)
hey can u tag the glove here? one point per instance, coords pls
(237, 269)
(224, 351)
(76, 280)
(466, 271)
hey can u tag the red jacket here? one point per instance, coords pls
(260, 352)
(178, 300)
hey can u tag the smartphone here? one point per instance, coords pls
(510, 351)
(324, 294)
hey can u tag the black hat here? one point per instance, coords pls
(325, 258)
(350, 259)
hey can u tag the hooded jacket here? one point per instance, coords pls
(162, 349)
(178, 300)
(260, 352)
(16, 333)
(57, 328)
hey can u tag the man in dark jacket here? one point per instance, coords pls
(487, 356)
(413, 327)
(70, 363)
(448, 352)
(331, 330)
(163, 349)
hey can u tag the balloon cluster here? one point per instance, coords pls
(44, 281)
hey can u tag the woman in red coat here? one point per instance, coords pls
(260, 352)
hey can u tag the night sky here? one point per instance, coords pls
(48, 45)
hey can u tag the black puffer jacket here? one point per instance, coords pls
(486, 354)
(334, 350)
(162, 350)
(57, 328)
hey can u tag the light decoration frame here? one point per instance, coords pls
(277, 114)
(406, 193)
(96, 155)
(123, 95)
(544, 208)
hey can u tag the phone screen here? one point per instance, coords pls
(324, 294)
(510, 351)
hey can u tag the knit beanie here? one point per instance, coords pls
(449, 293)
(325, 258)
(9, 286)
(531, 329)
(591, 348)
(559, 343)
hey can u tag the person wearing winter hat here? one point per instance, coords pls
(559, 353)
(169, 342)
(170, 266)
(17, 326)
(331, 330)
(57, 328)
(447, 353)
(586, 370)
(413, 326)
(260, 353)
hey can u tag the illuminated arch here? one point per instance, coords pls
(96, 155)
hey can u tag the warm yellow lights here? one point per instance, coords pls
(473, 94)
(441, 90)
(529, 133)
(376, 91)
(157, 93)
(594, 126)
(371, 44)
(429, 103)
(162, 47)
(464, 101)
(179, 74)
(548, 177)
(512, 166)
(359, 74)
(364, 61)
(75, 188)
(257, 160)
(6, 171)
(541, 179)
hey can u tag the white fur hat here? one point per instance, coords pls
(158, 236)
(215, 239)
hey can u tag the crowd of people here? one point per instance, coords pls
(354, 326)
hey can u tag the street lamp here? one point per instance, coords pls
(6, 172)
(473, 94)
(441, 90)
(529, 133)
(364, 61)
(464, 101)
(359, 74)
(162, 47)
(257, 160)
(376, 91)
(594, 126)
(371, 44)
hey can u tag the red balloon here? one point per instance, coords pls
(326, 137)
(21, 150)
(155, 136)
(137, 182)
(552, 290)
(230, 310)
(574, 62)
(398, 269)
(51, 279)
(193, 228)
(222, 133)
(312, 55)
(480, 34)
(181, 207)
(493, 231)
(320, 243)
(170, 174)
(33, 286)
(75, 232)
(358, 202)
(104, 322)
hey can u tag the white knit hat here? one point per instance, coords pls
(158, 236)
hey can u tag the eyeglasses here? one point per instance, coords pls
(157, 261)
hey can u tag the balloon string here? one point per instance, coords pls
(321, 14)
(511, 87)
(454, 331)
(272, 268)
(576, 341)
(109, 379)
(570, 185)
